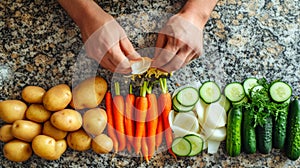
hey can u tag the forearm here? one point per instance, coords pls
(199, 10)
(85, 13)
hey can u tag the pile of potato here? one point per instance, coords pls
(46, 122)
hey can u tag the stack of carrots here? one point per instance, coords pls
(139, 122)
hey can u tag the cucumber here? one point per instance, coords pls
(209, 92)
(234, 91)
(187, 96)
(292, 148)
(180, 108)
(196, 144)
(248, 132)
(181, 146)
(233, 131)
(248, 84)
(280, 91)
(279, 128)
(264, 136)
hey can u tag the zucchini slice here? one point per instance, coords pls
(187, 96)
(280, 91)
(180, 108)
(196, 144)
(248, 84)
(234, 91)
(181, 146)
(209, 92)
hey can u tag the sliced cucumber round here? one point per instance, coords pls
(181, 146)
(209, 92)
(280, 91)
(187, 96)
(196, 144)
(248, 84)
(179, 107)
(255, 89)
(234, 91)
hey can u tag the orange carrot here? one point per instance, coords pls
(159, 131)
(129, 120)
(165, 105)
(145, 147)
(110, 121)
(152, 120)
(141, 114)
(118, 109)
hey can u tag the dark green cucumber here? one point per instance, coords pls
(292, 149)
(279, 129)
(248, 132)
(264, 136)
(233, 137)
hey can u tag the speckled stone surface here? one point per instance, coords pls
(40, 45)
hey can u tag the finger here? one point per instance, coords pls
(182, 58)
(167, 53)
(128, 49)
(119, 60)
(160, 44)
(106, 63)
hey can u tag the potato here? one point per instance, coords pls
(25, 130)
(5, 133)
(94, 121)
(44, 146)
(102, 144)
(79, 140)
(33, 94)
(17, 150)
(89, 93)
(12, 110)
(57, 98)
(37, 113)
(66, 120)
(53, 132)
(60, 147)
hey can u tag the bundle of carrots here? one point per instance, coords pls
(139, 122)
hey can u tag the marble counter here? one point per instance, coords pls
(40, 45)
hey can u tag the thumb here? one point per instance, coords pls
(128, 49)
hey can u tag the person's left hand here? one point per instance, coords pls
(179, 42)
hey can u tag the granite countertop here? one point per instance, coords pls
(40, 45)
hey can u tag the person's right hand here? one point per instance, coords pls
(105, 40)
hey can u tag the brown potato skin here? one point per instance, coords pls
(5, 133)
(89, 93)
(60, 147)
(26, 130)
(44, 146)
(66, 120)
(57, 98)
(94, 121)
(17, 150)
(79, 140)
(12, 110)
(102, 144)
(33, 94)
(37, 113)
(50, 130)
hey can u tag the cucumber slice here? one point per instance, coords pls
(234, 91)
(244, 100)
(196, 144)
(187, 96)
(224, 102)
(248, 84)
(180, 108)
(181, 146)
(209, 92)
(280, 91)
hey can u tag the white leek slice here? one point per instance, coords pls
(171, 118)
(187, 121)
(218, 134)
(141, 66)
(215, 116)
(200, 107)
(213, 146)
(179, 132)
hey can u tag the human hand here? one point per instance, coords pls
(110, 46)
(179, 42)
